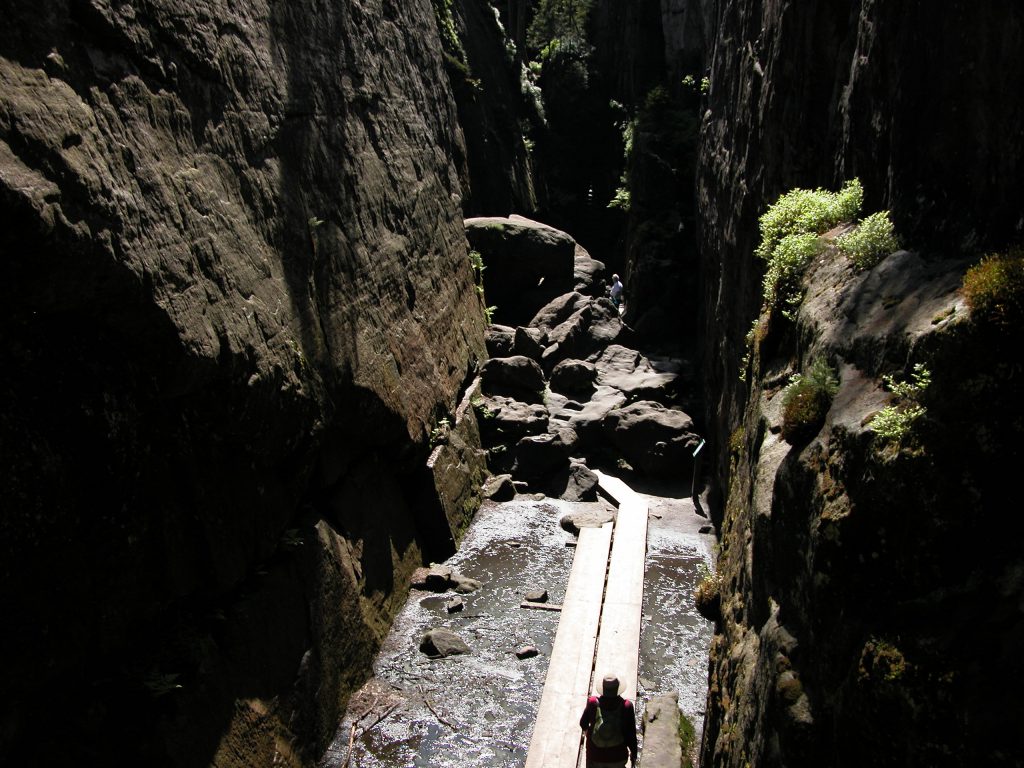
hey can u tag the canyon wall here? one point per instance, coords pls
(236, 301)
(870, 590)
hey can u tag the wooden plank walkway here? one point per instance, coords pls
(618, 645)
(556, 736)
(599, 629)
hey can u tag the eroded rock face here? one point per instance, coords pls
(528, 264)
(236, 295)
(848, 589)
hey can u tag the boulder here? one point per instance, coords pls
(661, 728)
(506, 420)
(528, 264)
(588, 273)
(499, 340)
(527, 342)
(589, 517)
(439, 578)
(455, 605)
(439, 643)
(499, 488)
(589, 329)
(634, 375)
(573, 376)
(654, 439)
(536, 596)
(580, 484)
(516, 376)
(464, 585)
(557, 311)
(587, 419)
(526, 652)
(542, 455)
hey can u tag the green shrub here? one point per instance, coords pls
(687, 737)
(871, 241)
(803, 211)
(994, 288)
(789, 236)
(807, 399)
(895, 422)
(791, 257)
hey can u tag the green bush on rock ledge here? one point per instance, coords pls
(872, 240)
(895, 422)
(789, 236)
(807, 399)
(994, 288)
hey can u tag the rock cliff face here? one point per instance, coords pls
(236, 300)
(859, 623)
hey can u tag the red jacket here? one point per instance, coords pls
(628, 746)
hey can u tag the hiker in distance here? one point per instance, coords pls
(610, 725)
(616, 291)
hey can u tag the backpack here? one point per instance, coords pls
(607, 730)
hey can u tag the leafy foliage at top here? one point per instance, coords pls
(559, 24)
(872, 240)
(806, 211)
(789, 236)
(994, 288)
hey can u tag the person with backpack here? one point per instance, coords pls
(610, 725)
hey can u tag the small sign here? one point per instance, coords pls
(697, 449)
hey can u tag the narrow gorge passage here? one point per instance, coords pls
(483, 705)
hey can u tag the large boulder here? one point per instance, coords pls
(439, 643)
(529, 343)
(506, 420)
(587, 419)
(557, 311)
(573, 483)
(652, 438)
(589, 516)
(513, 376)
(528, 264)
(588, 273)
(593, 325)
(541, 455)
(500, 340)
(635, 376)
(574, 377)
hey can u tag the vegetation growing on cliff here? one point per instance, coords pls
(872, 240)
(708, 595)
(807, 399)
(895, 422)
(789, 237)
(559, 24)
(994, 288)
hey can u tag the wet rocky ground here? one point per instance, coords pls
(478, 709)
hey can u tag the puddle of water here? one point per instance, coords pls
(479, 709)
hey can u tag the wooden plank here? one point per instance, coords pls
(616, 489)
(618, 646)
(556, 735)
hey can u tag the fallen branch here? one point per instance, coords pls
(387, 712)
(541, 606)
(434, 713)
(355, 726)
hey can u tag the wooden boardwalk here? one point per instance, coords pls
(599, 630)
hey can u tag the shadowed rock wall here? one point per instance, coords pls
(859, 624)
(235, 301)
(921, 106)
